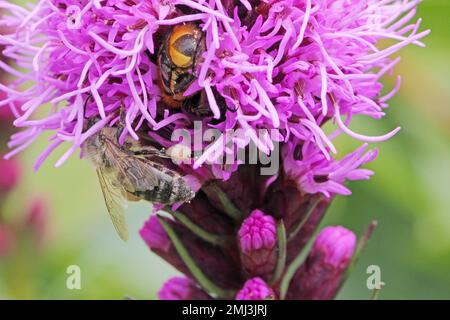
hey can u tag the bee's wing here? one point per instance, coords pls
(114, 202)
(138, 174)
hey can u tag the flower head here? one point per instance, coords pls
(283, 65)
(314, 173)
(271, 74)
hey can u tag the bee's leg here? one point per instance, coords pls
(120, 125)
(122, 116)
(197, 106)
(150, 151)
(201, 111)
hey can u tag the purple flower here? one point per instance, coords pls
(257, 241)
(181, 288)
(314, 173)
(284, 65)
(255, 289)
(275, 71)
(320, 276)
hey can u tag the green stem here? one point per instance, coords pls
(214, 239)
(228, 205)
(292, 268)
(359, 248)
(281, 262)
(376, 294)
(196, 272)
(361, 244)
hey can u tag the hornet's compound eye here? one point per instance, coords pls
(184, 41)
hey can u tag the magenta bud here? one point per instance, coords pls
(257, 242)
(255, 289)
(154, 235)
(208, 258)
(9, 174)
(257, 232)
(320, 276)
(181, 288)
(336, 246)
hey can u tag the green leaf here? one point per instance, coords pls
(228, 205)
(281, 262)
(292, 268)
(196, 272)
(214, 239)
(359, 248)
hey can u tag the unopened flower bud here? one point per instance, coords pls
(181, 288)
(154, 235)
(207, 257)
(158, 241)
(320, 276)
(257, 241)
(335, 245)
(255, 289)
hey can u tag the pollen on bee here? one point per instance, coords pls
(179, 153)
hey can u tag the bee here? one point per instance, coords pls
(178, 59)
(131, 172)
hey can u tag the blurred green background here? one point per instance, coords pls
(409, 196)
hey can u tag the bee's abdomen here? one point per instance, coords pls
(181, 191)
(168, 192)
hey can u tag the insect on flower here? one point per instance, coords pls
(177, 60)
(131, 172)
